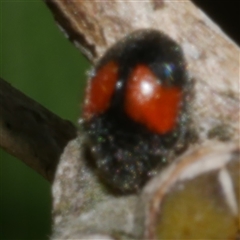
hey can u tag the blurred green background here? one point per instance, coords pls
(38, 60)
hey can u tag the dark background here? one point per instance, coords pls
(37, 59)
(226, 13)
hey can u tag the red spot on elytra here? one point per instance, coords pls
(100, 90)
(150, 103)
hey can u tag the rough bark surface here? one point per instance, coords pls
(30, 132)
(213, 64)
(82, 207)
(213, 59)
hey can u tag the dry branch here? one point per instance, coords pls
(83, 208)
(213, 59)
(30, 132)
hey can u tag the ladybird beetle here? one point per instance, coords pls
(135, 114)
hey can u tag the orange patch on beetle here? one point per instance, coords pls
(148, 102)
(100, 90)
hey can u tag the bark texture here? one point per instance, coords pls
(30, 132)
(83, 207)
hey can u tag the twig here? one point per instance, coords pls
(213, 64)
(213, 59)
(30, 132)
(82, 205)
